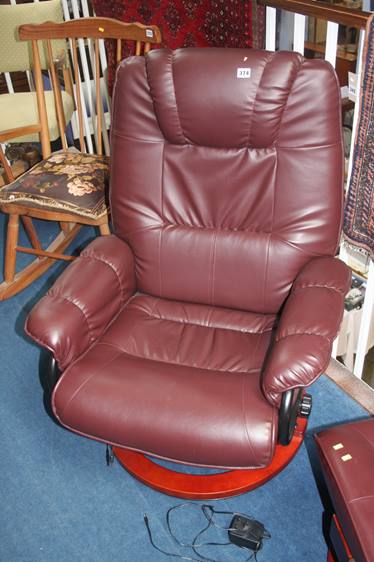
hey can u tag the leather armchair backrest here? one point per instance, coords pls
(227, 172)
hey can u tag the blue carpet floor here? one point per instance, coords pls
(59, 502)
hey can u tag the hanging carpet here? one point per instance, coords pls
(359, 209)
(188, 23)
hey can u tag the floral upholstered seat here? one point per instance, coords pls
(67, 181)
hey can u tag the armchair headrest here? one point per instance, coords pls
(237, 99)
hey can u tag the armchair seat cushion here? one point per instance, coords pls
(67, 181)
(176, 380)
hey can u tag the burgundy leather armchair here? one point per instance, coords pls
(179, 335)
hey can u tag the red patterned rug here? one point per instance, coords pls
(190, 23)
(359, 209)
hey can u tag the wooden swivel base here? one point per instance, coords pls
(210, 486)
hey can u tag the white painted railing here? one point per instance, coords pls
(294, 14)
(72, 10)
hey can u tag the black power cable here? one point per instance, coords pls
(146, 522)
(208, 512)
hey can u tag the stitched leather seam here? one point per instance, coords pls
(300, 249)
(271, 229)
(213, 265)
(197, 227)
(288, 97)
(191, 143)
(369, 496)
(280, 338)
(156, 301)
(266, 271)
(268, 60)
(175, 98)
(112, 267)
(244, 402)
(309, 147)
(130, 138)
(215, 228)
(159, 261)
(147, 358)
(275, 390)
(67, 299)
(153, 314)
(318, 285)
(38, 340)
(83, 384)
(163, 219)
(144, 229)
(244, 414)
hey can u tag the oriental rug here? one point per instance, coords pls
(359, 209)
(189, 23)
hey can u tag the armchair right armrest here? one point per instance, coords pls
(308, 325)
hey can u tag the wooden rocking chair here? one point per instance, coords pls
(67, 186)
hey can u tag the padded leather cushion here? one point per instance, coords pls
(176, 380)
(351, 482)
(214, 179)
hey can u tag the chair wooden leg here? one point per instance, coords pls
(10, 250)
(65, 226)
(7, 169)
(16, 282)
(104, 229)
(31, 232)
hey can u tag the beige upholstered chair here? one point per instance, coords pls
(20, 109)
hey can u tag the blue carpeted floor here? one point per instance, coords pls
(60, 503)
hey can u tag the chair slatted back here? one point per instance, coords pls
(84, 83)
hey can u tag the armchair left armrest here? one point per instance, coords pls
(308, 326)
(84, 299)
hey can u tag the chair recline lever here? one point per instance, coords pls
(53, 373)
(306, 406)
(294, 403)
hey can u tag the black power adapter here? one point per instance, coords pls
(247, 533)
(244, 532)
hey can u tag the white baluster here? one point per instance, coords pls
(85, 86)
(299, 33)
(366, 319)
(331, 42)
(271, 15)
